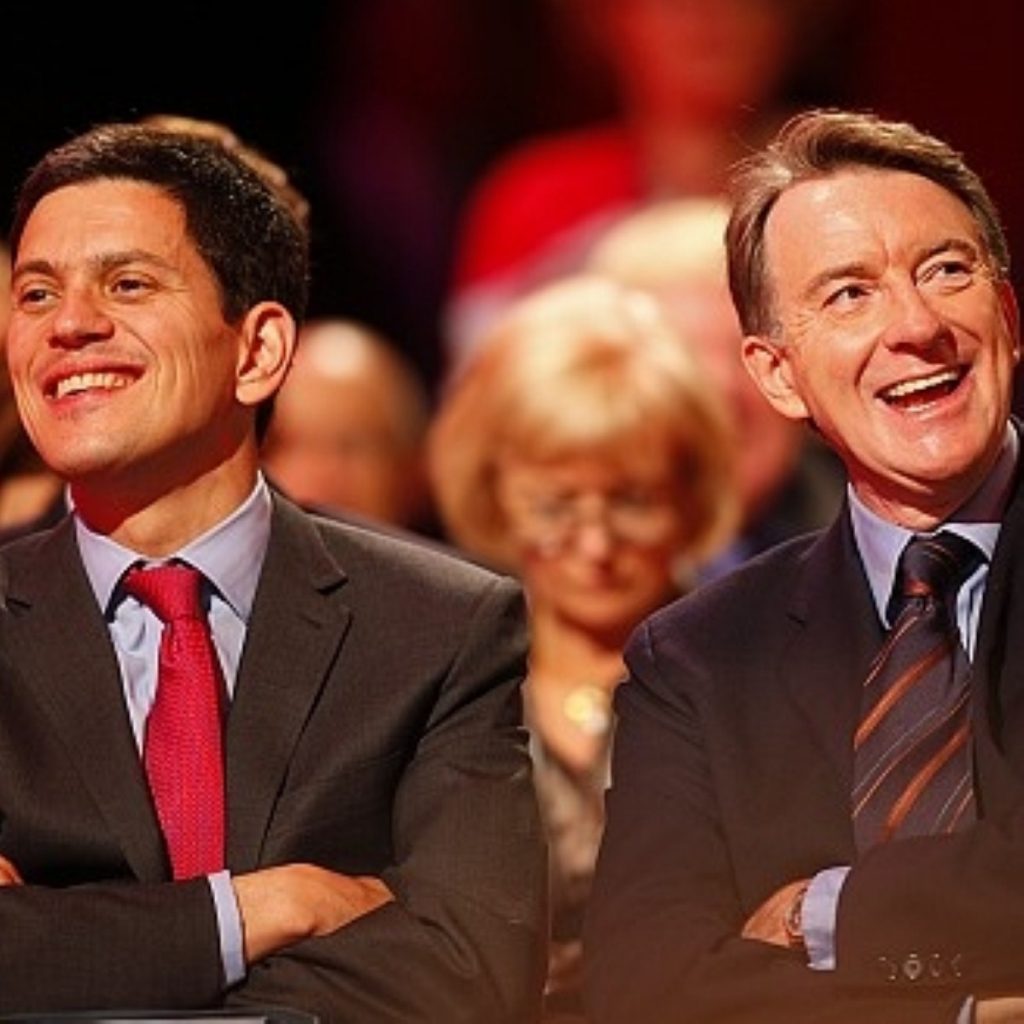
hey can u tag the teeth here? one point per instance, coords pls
(79, 382)
(911, 387)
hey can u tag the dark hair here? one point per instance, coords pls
(248, 237)
(819, 143)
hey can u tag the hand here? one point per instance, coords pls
(282, 905)
(999, 1010)
(768, 922)
(9, 873)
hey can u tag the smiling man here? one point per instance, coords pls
(817, 809)
(247, 757)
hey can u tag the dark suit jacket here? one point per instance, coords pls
(375, 729)
(732, 777)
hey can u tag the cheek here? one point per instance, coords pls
(540, 573)
(648, 571)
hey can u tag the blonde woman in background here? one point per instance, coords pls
(582, 449)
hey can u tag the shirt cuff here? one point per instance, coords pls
(818, 917)
(229, 926)
(966, 1014)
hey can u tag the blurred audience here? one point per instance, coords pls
(349, 426)
(698, 82)
(584, 451)
(789, 481)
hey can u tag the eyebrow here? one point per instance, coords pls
(102, 263)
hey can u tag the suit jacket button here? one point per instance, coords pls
(913, 967)
(936, 965)
(887, 968)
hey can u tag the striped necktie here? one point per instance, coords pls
(912, 760)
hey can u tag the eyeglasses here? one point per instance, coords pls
(644, 516)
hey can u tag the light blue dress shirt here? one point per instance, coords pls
(230, 556)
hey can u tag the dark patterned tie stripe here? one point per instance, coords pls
(183, 747)
(912, 767)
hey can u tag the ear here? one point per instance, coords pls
(1008, 300)
(768, 362)
(266, 348)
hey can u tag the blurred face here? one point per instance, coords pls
(705, 58)
(895, 337)
(767, 444)
(596, 540)
(334, 442)
(124, 369)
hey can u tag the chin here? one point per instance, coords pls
(605, 620)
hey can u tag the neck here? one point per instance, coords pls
(568, 654)
(158, 520)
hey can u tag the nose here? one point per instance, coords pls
(79, 319)
(912, 320)
(595, 536)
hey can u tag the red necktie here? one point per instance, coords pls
(912, 760)
(183, 749)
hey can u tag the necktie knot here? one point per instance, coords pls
(171, 591)
(933, 567)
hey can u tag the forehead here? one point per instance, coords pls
(90, 218)
(859, 216)
(591, 467)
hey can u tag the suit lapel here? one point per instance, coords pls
(54, 632)
(835, 634)
(297, 626)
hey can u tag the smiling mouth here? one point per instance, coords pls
(921, 391)
(78, 383)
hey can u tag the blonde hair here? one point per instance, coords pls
(664, 243)
(580, 365)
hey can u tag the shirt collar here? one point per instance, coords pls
(978, 519)
(230, 554)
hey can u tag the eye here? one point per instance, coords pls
(635, 499)
(950, 273)
(34, 295)
(130, 286)
(550, 507)
(846, 296)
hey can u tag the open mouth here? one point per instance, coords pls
(910, 394)
(80, 383)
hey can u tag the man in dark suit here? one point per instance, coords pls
(370, 849)
(734, 883)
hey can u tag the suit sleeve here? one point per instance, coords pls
(662, 938)
(108, 945)
(465, 939)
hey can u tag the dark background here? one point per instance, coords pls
(385, 112)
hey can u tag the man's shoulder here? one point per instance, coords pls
(23, 549)
(382, 557)
(764, 585)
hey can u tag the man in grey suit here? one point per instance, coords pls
(754, 868)
(378, 856)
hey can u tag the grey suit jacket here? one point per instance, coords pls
(732, 777)
(375, 729)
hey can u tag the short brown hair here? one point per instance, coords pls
(816, 144)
